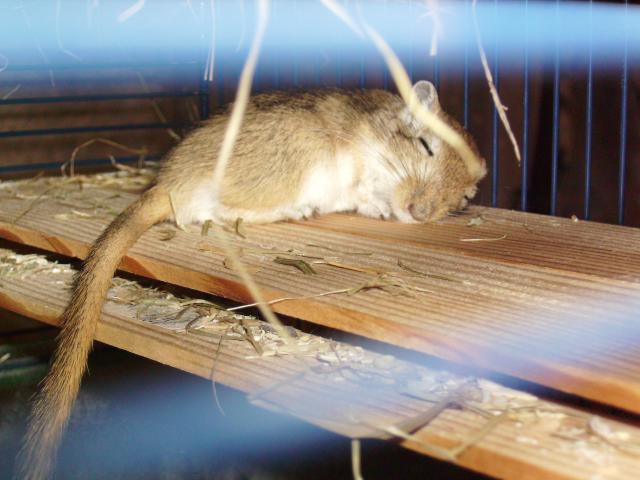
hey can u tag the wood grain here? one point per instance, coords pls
(522, 447)
(552, 301)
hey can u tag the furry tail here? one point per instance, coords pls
(53, 404)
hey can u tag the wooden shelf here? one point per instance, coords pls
(545, 299)
(347, 390)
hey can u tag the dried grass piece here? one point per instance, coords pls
(11, 92)
(5, 62)
(156, 108)
(209, 66)
(298, 263)
(213, 377)
(172, 203)
(402, 265)
(289, 299)
(249, 338)
(231, 134)
(341, 252)
(167, 234)
(141, 152)
(130, 11)
(242, 95)
(59, 36)
(502, 111)
(356, 459)
(352, 268)
(395, 432)
(434, 12)
(205, 228)
(30, 207)
(207, 247)
(393, 285)
(495, 239)
(227, 262)
(475, 221)
(340, 12)
(238, 227)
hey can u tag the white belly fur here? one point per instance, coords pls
(329, 187)
(334, 185)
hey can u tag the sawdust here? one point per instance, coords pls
(24, 266)
(80, 196)
(589, 438)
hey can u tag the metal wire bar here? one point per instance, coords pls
(588, 122)
(556, 116)
(88, 162)
(524, 177)
(623, 121)
(98, 128)
(465, 113)
(96, 98)
(100, 66)
(203, 97)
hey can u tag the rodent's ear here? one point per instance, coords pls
(428, 97)
(427, 94)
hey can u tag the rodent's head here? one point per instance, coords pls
(433, 178)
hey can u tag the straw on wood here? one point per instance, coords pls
(474, 422)
(553, 302)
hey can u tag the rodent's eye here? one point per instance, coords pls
(426, 146)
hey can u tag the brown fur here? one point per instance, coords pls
(284, 136)
(308, 124)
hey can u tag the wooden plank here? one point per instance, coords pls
(531, 240)
(350, 391)
(552, 301)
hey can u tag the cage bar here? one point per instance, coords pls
(524, 193)
(623, 120)
(203, 97)
(495, 134)
(556, 116)
(101, 66)
(96, 98)
(99, 128)
(588, 122)
(465, 74)
(85, 162)
(357, 73)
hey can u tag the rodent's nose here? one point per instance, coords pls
(419, 212)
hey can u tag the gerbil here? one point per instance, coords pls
(297, 154)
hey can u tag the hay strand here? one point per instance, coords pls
(231, 134)
(141, 152)
(356, 460)
(492, 87)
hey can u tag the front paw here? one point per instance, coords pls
(375, 210)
